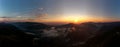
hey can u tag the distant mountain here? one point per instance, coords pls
(88, 24)
(67, 25)
(107, 36)
(11, 36)
(30, 25)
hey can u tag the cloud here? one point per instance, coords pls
(40, 17)
(41, 8)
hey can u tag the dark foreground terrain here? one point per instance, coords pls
(30, 34)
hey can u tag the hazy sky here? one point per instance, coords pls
(61, 10)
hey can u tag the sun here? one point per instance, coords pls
(71, 19)
(76, 18)
(76, 21)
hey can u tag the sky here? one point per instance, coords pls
(61, 10)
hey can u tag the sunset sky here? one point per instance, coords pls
(61, 10)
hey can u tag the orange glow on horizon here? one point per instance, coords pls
(73, 19)
(66, 19)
